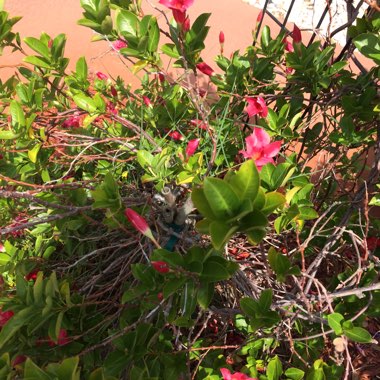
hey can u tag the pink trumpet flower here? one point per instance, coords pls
(180, 5)
(227, 375)
(260, 149)
(256, 106)
(191, 147)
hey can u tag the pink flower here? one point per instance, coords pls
(180, 5)
(227, 375)
(205, 68)
(199, 123)
(260, 149)
(160, 266)
(62, 339)
(119, 44)
(191, 147)
(221, 38)
(5, 316)
(175, 135)
(147, 101)
(101, 75)
(296, 34)
(256, 106)
(71, 122)
(288, 45)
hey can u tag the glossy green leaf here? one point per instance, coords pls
(127, 22)
(279, 263)
(33, 153)
(273, 201)
(222, 199)
(274, 369)
(39, 62)
(221, 233)
(201, 203)
(294, 373)
(335, 322)
(85, 102)
(246, 182)
(358, 334)
(249, 307)
(38, 46)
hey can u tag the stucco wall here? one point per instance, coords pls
(234, 17)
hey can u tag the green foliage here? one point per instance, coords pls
(248, 251)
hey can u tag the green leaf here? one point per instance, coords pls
(85, 102)
(246, 182)
(32, 153)
(249, 307)
(17, 114)
(256, 236)
(205, 294)
(33, 372)
(82, 68)
(279, 263)
(127, 22)
(39, 62)
(200, 202)
(294, 373)
(154, 35)
(8, 135)
(265, 300)
(67, 370)
(274, 369)
(265, 36)
(172, 285)
(38, 46)
(170, 50)
(358, 334)
(369, 45)
(222, 199)
(221, 233)
(273, 201)
(335, 322)
(172, 258)
(214, 271)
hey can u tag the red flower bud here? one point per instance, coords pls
(101, 75)
(205, 69)
(18, 360)
(260, 16)
(32, 275)
(296, 34)
(62, 339)
(221, 38)
(113, 91)
(160, 296)
(137, 221)
(160, 266)
(5, 316)
(147, 101)
(179, 16)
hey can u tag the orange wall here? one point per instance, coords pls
(234, 17)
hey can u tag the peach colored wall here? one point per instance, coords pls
(234, 17)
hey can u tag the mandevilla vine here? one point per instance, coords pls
(216, 222)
